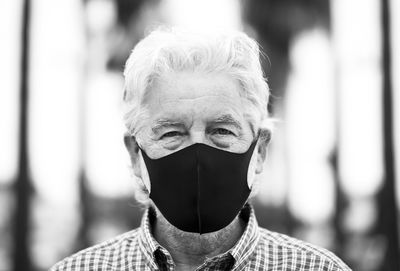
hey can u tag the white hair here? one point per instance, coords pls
(174, 49)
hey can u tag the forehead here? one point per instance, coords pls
(192, 85)
(179, 93)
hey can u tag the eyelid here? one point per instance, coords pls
(214, 131)
(164, 125)
(227, 120)
(230, 125)
(162, 129)
(164, 135)
(222, 129)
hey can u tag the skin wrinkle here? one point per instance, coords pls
(201, 247)
(164, 124)
(248, 116)
(245, 102)
(225, 119)
(169, 82)
(189, 97)
(201, 72)
(196, 102)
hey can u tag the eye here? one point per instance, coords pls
(222, 131)
(171, 134)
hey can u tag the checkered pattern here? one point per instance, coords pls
(257, 249)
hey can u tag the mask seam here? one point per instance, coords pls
(198, 190)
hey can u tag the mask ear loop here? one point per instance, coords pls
(264, 134)
(253, 160)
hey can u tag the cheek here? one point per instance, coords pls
(150, 145)
(156, 152)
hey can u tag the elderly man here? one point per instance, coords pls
(198, 129)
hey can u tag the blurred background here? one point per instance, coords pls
(332, 173)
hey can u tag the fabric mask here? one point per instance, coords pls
(199, 189)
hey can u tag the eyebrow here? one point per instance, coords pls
(227, 119)
(163, 123)
(166, 123)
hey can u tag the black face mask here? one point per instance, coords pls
(200, 188)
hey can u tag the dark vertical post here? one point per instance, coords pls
(340, 197)
(22, 186)
(83, 240)
(340, 201)
(387, 199)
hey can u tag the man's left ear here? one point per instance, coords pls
(263, 141)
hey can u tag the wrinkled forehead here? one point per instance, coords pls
(184, 95)
(193, 85)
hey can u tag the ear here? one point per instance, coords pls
(133, 150)
(264, 139)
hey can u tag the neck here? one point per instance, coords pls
(190, 250)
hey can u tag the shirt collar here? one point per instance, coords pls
(240, 251)
(148, 245)
(249, 239)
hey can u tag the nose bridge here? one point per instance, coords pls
(198, 136)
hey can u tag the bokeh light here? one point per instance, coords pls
(324, 169)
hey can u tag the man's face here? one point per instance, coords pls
(185, 108)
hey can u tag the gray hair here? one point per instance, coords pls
(174, 49)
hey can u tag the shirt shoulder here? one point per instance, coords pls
(288, 253)
(113, 254)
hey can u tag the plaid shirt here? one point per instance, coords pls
(257, 249)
